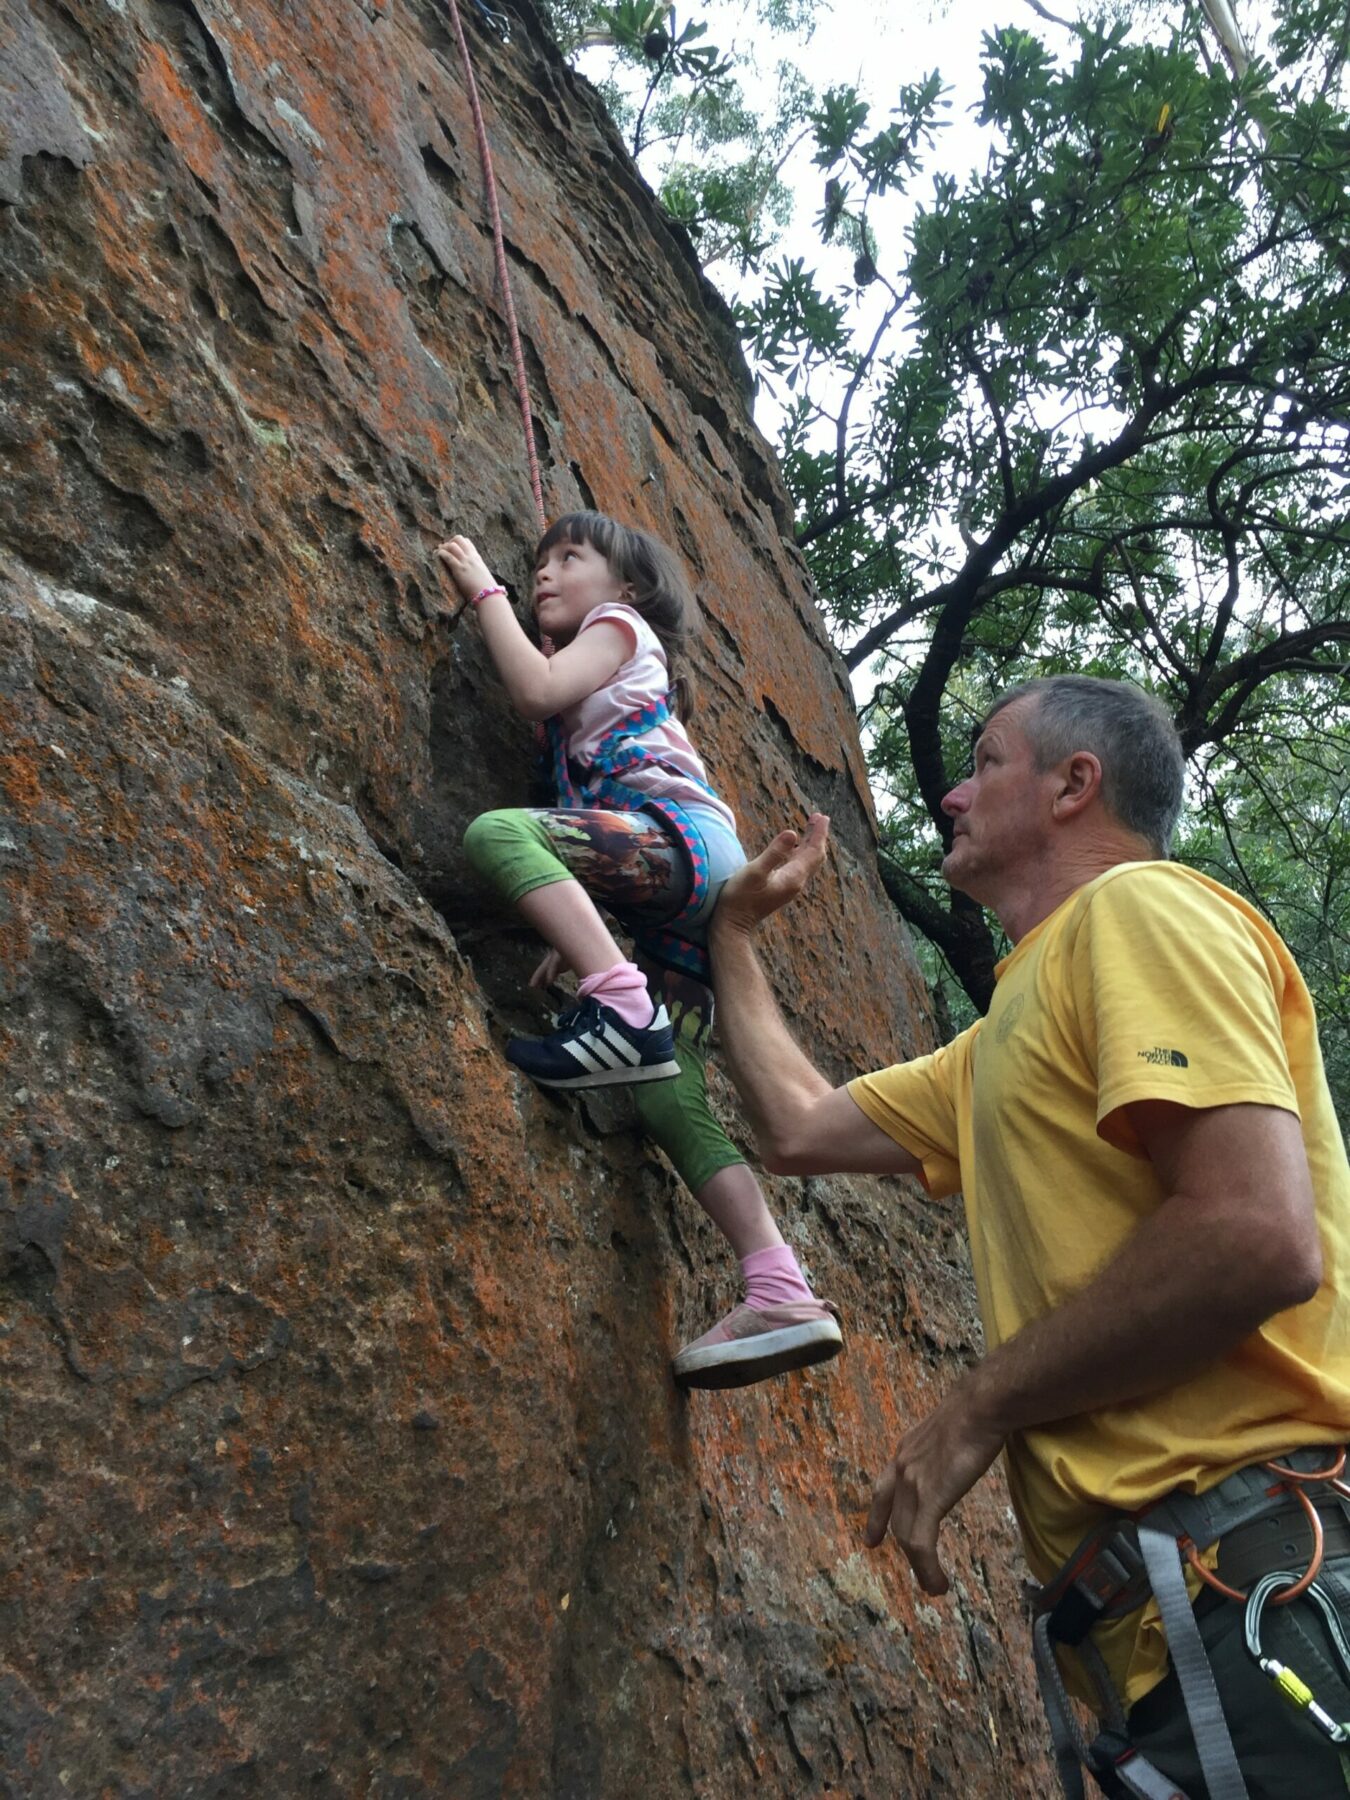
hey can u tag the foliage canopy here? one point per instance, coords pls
(1086, 408)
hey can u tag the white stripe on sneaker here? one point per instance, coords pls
(608, 1056)
(616, 1041)
(589, 1060)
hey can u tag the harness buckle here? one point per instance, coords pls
(1122, 1770)
(1104, 1578)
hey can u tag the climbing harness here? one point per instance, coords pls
(499, 250)
(1112, 1573)
(618, 754)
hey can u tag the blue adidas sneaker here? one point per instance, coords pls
(593, 1047)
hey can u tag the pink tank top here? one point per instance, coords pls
(644, 678)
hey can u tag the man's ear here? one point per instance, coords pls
(1080, 784)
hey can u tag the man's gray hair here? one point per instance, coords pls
(1129, 732)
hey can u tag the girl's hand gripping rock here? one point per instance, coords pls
(468, 571)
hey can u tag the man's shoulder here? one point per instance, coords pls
(1166, 912)
(1158, 885)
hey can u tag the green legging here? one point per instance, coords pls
(631, 866)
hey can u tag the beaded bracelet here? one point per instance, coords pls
(483, 593)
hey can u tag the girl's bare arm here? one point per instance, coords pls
(539, 685)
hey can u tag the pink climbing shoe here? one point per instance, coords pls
(751, 1344)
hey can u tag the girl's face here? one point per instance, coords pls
(570, 581)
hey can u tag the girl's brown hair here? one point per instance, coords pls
(661, 594)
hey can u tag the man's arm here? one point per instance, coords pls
(1234, 1242)
(802, 1125)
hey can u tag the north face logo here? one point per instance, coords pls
(1171, 1058)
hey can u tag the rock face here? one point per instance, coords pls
(343, 1456)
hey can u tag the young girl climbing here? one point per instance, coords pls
(638, 831)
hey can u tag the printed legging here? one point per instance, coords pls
(632, 868)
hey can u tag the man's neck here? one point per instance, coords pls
(1034, 894)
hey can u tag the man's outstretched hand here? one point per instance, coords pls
(775, 877)
(937, 1464)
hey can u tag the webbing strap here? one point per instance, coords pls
(1138, 1776)
(1213, 1744)
(1110, 1709)
(1070, 1746)
(1247, 1494)
(1118, 1767)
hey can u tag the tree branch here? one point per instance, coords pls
(960, 932)
(841, 430)
(962, 590)
(1044, 12)
(981, 375)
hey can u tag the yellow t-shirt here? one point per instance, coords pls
(1150, 983)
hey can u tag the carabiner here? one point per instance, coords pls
(1295, 1690)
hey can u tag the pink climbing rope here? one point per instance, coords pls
(503, 273)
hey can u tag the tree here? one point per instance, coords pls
(1085, 409)
(1275, 825)
(715, 160)
(1094, 417)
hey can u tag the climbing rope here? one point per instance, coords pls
(503, 273)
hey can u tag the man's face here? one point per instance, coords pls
(1001, 814)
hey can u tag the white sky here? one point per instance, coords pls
(878, 50)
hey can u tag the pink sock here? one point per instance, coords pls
(773, 1277)
(623, 989)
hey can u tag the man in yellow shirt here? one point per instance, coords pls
(1158, 1201)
